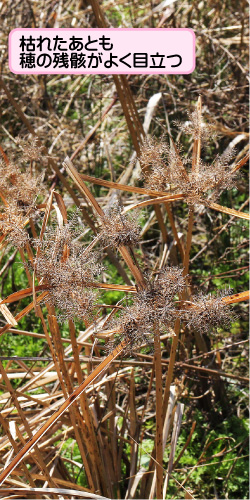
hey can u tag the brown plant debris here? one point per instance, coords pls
(31, 151)
(68, 270)
(19, 190)
(209, 312)
(196, 126)
(12, 222)
(119, 229)
(156, 306)
(163, 168)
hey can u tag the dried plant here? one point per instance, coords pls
(119, 229)
(207, 184)
(164, 168)
(19, 190)
(68, 271)
(31, 151)
(208, 312)
(162, 301)
(12, 225)
(153, 158)
(135, 327)
(196, 126)
(94, 442)
(155, 307)
(19, 184)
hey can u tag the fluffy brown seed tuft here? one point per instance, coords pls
(18, 194)
(153, 160)
(31, 151)
(68, 271)
(154, 307)
(163, 168)
(209, 312)
(196, 127)
(119, 229)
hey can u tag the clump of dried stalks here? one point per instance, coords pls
(67, 274)
(74, 395)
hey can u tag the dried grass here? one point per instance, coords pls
(75, 396)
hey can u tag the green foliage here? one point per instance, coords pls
(20, 345)
(75, 467)
(221, 451)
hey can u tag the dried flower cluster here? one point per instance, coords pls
(119, 229)
(158, 299)
(153, 159)
(18, 192)
(209, 312)
(22, 187)
(164, 169)
(208, 181)
(156, 308)
(153, 308)
(133, 327)
(31, 151)
(68, 271)
(196, 127)
(12, 224)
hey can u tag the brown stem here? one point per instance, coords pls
(51, 421)
(159, 414)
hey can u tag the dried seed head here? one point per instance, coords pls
(220, 175)
(209, 312)
(153, 159)
(68, 271)
(163, 168)
(153, 308)
(196, 127)
(156, 309)
(6, 171)
(193, 187)
(30, 149)
(153, 152)
(133, 327)
(119, 229)
(19, 185)
(210, 180)
(12, 225)
(170, 281)
(79, 303)
(158, 299)
(18, 193)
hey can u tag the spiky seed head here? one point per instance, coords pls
(153, 308)
(163, 167)
(19, 191)
(119, 229)
(68, 271)
(30, 149)
(12, 225)
(196, 126)
(209, 312)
